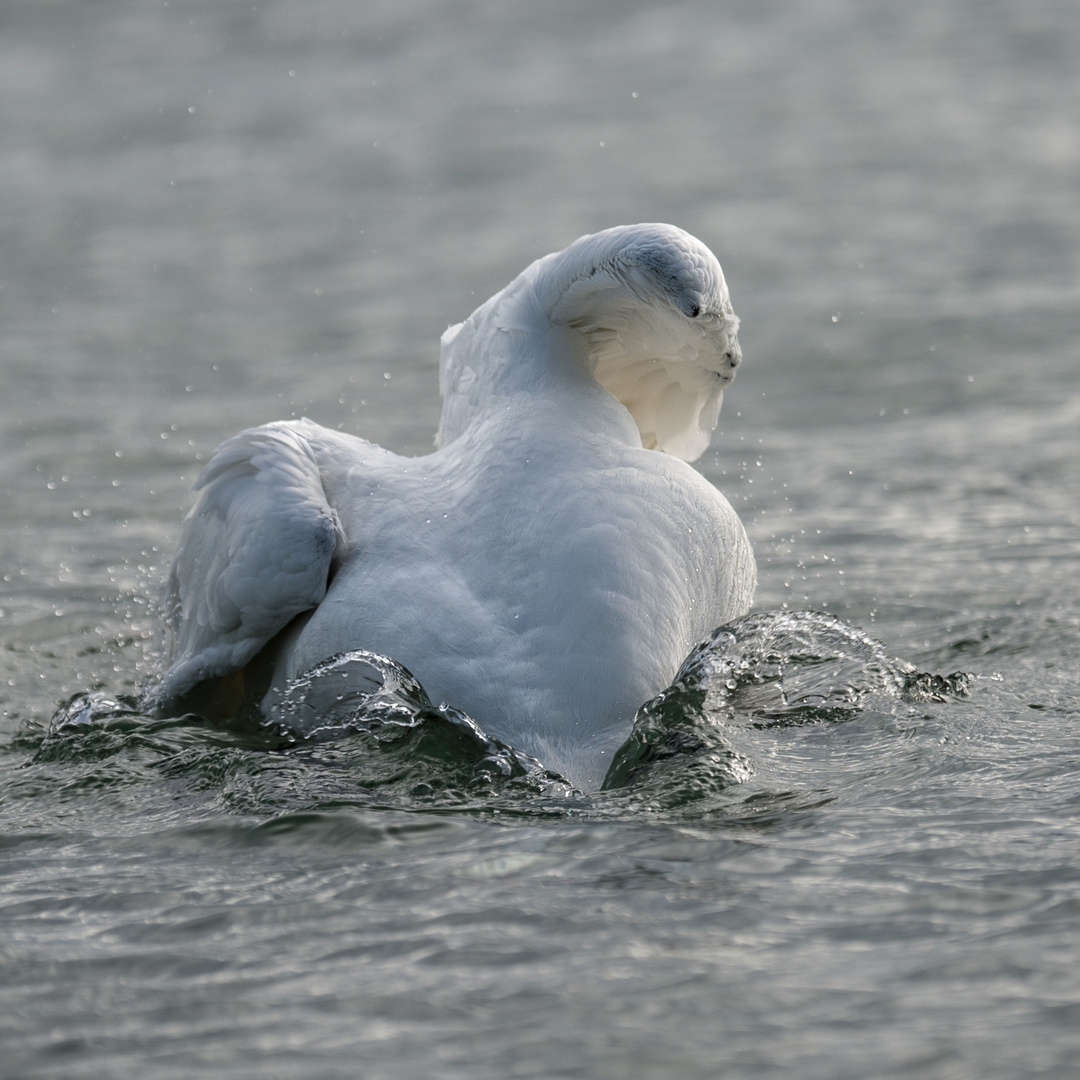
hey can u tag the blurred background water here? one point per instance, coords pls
(214, 214)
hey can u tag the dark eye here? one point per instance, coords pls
(695, 311)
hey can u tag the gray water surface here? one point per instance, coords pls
(217, 214)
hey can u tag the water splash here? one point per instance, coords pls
(360, 729)
(347, 692)
(378, 702)
(789, 667)
(86, 709)
(374, 739)
(767, 669)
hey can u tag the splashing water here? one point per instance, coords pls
(360, 726)
(363, 694)
(765, 669)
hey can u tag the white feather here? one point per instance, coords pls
(256, 551)
(545, 569)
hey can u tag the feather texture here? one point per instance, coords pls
(545, 569)
(257, 549)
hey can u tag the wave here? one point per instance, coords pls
(375, 738)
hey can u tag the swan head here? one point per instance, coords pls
(652, 309)
(647, 312)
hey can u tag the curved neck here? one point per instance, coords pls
(638, 312)
(509, 347)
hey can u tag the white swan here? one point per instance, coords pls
(546, 569)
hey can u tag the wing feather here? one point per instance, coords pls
(256, 551)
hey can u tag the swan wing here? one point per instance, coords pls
(256, 550)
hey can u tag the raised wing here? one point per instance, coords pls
(256, 551)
